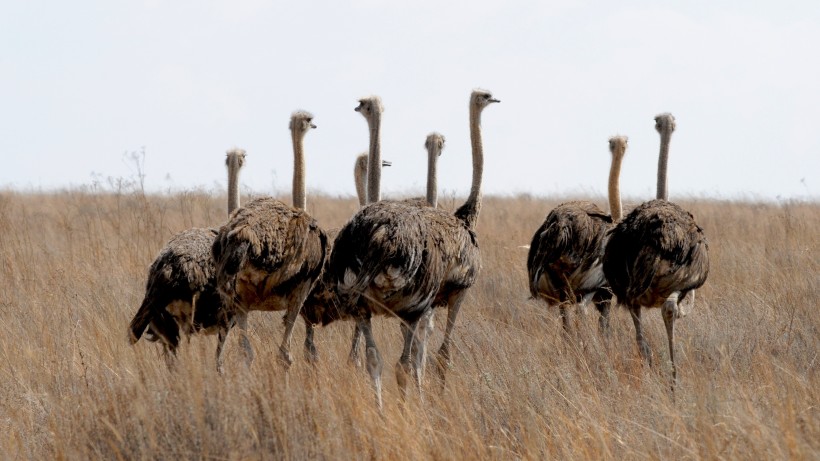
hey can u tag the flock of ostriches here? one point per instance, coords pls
(406, 258)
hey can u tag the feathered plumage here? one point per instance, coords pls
(180, 279)
(265, 251)
(658, 249)
(180, 294)
(657, 256)
(402, 259)
(565, 259)
(269, 255)
(566, 252)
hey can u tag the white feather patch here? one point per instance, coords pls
(594, 278)
(686, 304)
(349, 279)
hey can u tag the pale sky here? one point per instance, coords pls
(83, 83)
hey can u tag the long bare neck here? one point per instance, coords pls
(469, 211)
(360, 176)
(233, 186)
(432, 184)
(374, 160)
(299, 195)
(663, 160)
(615, 208)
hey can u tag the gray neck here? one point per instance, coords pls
(474, 200)
(233, 186)
(374, 160)
(360, 176)
(299, 198)
(663, 160)
(615, 208)
(432, 185)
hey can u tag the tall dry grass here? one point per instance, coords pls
(73, 265)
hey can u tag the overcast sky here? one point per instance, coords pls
(83, 83)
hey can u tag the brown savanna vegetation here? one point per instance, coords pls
(73, 267)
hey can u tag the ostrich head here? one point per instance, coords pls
(665, 123)
(434, 141)
(301, 122)
(481, 99)
(617, 145)
(370, 107)
(235, 158)
(361, 162)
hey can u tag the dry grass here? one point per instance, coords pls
(73, 269)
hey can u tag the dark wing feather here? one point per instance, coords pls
(183, 267)
(271, 246)
(567, 246)
(400, 256)
(656, 250)
(376, 251)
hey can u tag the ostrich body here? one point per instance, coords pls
(657, 256)
(269, 255)
(434, 143)
(400, 259)
(564, 263)
(180, 294)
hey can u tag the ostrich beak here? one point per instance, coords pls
(313, 125)
(387, 163)
(494, 100)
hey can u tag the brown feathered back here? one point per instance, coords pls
(402, 258)
(186, 258)
(265, 251)
(182, 270)
(656, 250)
(564, 260)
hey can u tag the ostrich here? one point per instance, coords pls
(395, 258)
(269, 255)
(180, 294)
(565, 256)
(657, 255)
(434, 143)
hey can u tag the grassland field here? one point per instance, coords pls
(72, 273)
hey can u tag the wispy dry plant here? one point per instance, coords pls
(72, 267)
